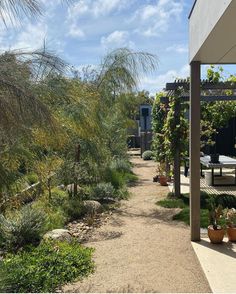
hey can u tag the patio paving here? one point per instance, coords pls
(218, 262)
(227, 177)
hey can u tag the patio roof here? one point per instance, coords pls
(212, 32)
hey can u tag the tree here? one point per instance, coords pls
(14, 10)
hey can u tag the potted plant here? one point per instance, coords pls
(215, 231)
(230, 216)
(162, 174)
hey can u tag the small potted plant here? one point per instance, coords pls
(216, 231)
(162, 174)
(230, 216)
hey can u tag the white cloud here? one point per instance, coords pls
(90, 10)
(75, 31)
(156, 19)
(117, 39)
(178, 48)
(157, 84)
(96, 8)
(31, 37)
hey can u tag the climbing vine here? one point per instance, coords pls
(171, 124)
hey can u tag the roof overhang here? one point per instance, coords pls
(212, 26)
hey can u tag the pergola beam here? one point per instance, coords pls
(204, 85)
(212, 98)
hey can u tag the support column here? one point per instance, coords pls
(177, 161)
(195, 92)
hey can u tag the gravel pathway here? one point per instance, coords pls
(141, 249)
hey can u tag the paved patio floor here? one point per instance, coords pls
(227, 178)
(218, 262)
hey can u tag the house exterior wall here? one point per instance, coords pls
(203, 19)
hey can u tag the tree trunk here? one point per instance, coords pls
(77, 160)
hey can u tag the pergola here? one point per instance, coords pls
(212, 41)
(206, 86)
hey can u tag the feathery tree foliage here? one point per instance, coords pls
(89, 117)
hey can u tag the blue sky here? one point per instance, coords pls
(87, 30)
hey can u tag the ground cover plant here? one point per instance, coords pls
(226, 201)
(45, 268)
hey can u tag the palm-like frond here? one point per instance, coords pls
(42, 62)
(20, 107)
(122, 68)
(14, 10)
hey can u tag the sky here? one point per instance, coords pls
(84, 32)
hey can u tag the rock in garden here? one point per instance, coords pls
(59, 235)
(92, 207)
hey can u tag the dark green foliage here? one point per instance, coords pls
(119, 179)
(74, 209)
(115, 178)
(227, 201)
(58, 197)
(172, 203)
(21, 228)
(45, 268)
(206, 201)
(32, 178)
(147, 155)
(184, 215)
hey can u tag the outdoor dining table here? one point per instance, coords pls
(224, 162)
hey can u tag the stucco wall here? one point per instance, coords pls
(204, 17)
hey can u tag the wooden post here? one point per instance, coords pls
(195, 92)
(177, 161)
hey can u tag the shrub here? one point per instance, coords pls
(74, 209)
(58, 197)
(123, 193)
(147, 155)
(121, 165)
(119, 179)
(227, 201)
(115, 178)
(21, 228)
(56, 217)
(103, 191)
(45, 268)
(31, 179)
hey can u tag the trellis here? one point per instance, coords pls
(206, 85)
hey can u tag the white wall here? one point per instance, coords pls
(204, 18)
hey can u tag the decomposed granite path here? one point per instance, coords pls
(141, 249)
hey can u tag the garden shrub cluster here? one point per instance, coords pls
(103, 191)
(45, 268)
(147, 155)
(23, 227)
(60, 130)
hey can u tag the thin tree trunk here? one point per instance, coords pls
(77, 160)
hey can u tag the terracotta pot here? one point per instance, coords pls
(231, 232)
(216, 236)
(163, 180)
